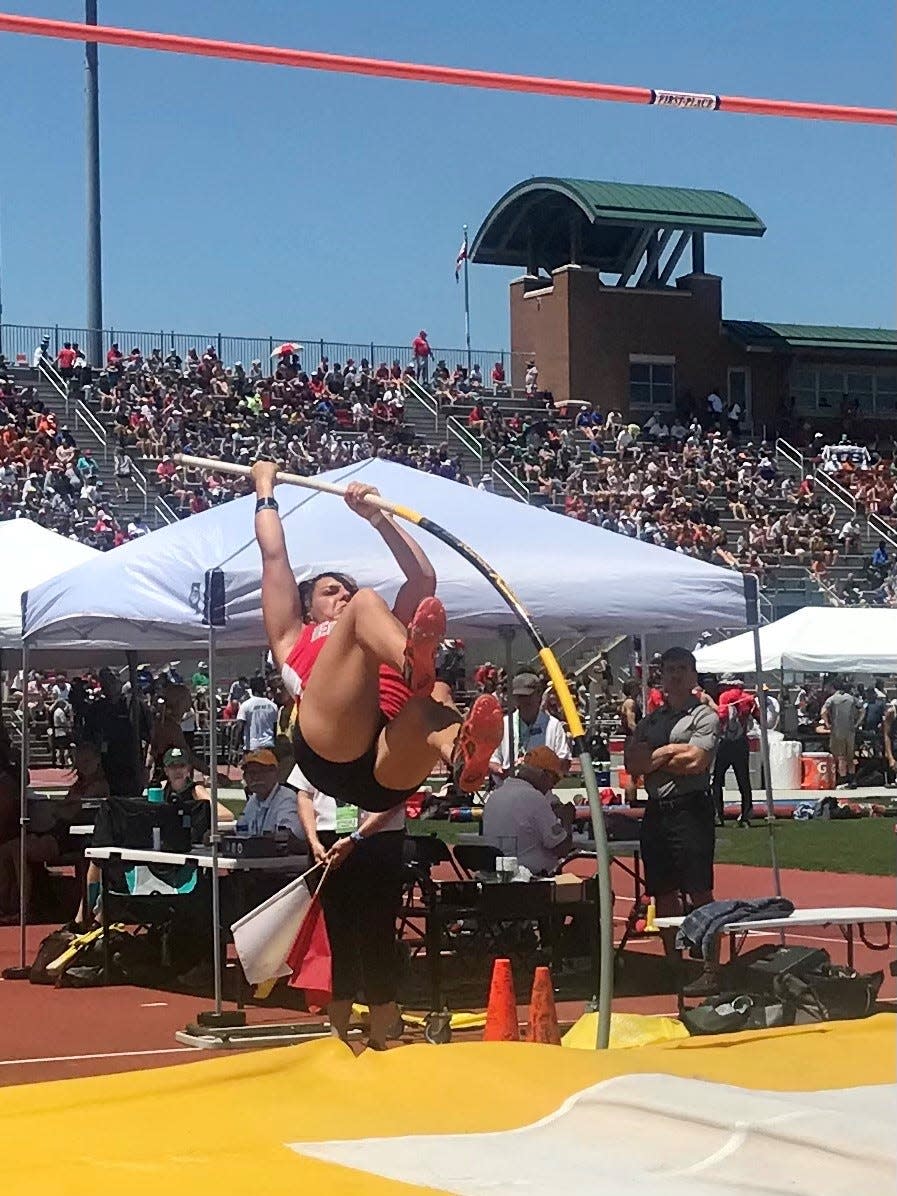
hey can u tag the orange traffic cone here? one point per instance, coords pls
(543, 1016)
(501, 1012)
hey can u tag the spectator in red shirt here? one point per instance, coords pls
(65, 361)
(735, 707)
(486, 677)
(420, 346)
(476, 421)
(166, 468)
(498, 377)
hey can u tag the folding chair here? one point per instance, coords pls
(476, 857)
(421, 854)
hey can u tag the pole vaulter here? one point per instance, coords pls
(555, 674)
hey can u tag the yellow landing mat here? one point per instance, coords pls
(223, 1125)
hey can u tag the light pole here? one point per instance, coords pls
(92, 170)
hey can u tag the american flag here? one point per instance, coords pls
(461, 258)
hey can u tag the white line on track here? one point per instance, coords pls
(108, 1055)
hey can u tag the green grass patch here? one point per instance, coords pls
(865, 846)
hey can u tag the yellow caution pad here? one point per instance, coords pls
(799, 1110)
(626, 1030)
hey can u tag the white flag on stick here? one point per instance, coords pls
(264, 937)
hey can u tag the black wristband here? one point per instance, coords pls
(266, 504)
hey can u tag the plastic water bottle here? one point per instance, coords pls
(157, 838)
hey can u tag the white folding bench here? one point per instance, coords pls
(850, 920)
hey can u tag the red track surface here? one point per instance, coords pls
(48, 1033)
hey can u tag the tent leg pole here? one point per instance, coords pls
(764, 752)
(22, 971)
(134, 711)
(216, 1017)
(507, 634)
(642, 640)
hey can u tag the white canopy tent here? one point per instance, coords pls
(198, 583)
(815, 639)
(31, 554)
(573, 578)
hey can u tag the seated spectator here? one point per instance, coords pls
(180, 784)
(476, 420)
(880, 560)
(271, 806)
(498, 378)
(48, 830)
(524, 819)
(589, 421)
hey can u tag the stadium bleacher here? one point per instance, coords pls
(816, 521)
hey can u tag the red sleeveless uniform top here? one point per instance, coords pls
(394, 693)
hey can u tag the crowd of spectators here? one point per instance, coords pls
(332, 416)
(45, 475)
(671, 480)
(672, 483)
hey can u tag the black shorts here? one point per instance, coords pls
(352, 781)
(677, 845)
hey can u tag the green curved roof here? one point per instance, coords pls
(609, 215)
(786, 337)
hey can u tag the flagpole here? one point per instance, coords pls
(466, 300)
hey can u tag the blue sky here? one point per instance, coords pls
(257, 200)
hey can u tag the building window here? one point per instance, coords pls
(803, 387)
(886, 393)
(652, 383)
(822, 391)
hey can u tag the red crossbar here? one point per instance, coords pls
(421, 73)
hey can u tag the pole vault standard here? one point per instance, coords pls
(556, 676)
(423, 73)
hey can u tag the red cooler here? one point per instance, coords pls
(817, 770)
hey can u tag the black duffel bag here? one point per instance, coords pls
(831, 993)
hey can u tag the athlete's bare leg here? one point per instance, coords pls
(431, 730)
(339, 712)
(421, 736)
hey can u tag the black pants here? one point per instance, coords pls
(677, 840)
(361, 901)
(734, 754)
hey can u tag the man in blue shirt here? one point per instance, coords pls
(270, 806)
